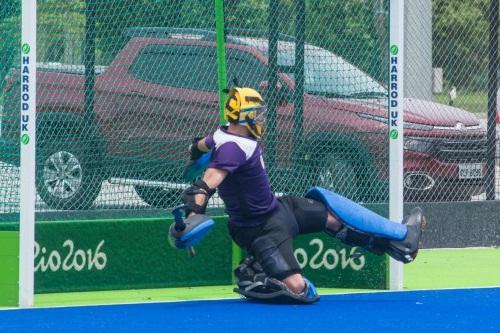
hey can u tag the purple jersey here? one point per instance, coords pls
(245, 190)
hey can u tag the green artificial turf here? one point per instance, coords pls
(454, 268)
(433, 269)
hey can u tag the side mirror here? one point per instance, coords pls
(281, 92)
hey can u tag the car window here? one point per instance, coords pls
(247, 69)
(189, 67)
(324, 72)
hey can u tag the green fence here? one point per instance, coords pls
(152, 84)
(123, 86)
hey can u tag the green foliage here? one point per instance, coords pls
(115, 16)
(10, 35)
(250, 14)
(476, 102)
(355, 30)
(60, 31)
(9, 8)
(460, 40)
(351, 29)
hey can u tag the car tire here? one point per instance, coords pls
(339, 176)
(340, 173)
(159, 197)
(66, 176)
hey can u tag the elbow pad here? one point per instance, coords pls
(188, 197)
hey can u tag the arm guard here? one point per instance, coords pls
(188, 197)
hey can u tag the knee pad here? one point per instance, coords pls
(273, 261)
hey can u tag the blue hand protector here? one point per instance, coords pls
(195, 168)
(187, 233)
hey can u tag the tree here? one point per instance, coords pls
(347, 28)
(10, 35)
(9, 8)
(113, 17)
(460, 42)
(60, 31)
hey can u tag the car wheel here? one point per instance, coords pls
(65, 176)
(338, 176)
(159, 197)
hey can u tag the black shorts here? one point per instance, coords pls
(271, 243)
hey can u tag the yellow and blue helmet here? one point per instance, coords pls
(245, 106)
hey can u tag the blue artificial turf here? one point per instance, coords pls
(454, 310)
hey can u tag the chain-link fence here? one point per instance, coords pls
(10, 41)
(448, 156)
(324, 60)
(124, 86)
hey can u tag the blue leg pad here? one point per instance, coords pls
(357, 216)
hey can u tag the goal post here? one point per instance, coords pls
(27, 192)
(396, 89)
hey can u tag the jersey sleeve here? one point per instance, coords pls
(228, 157)
(209, 141)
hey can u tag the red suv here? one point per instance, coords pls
(161, 90)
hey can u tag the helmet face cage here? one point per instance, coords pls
(253, 114)
(254, 119)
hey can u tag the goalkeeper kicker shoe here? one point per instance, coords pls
(406, 250)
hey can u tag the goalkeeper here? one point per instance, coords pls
(265, 225)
